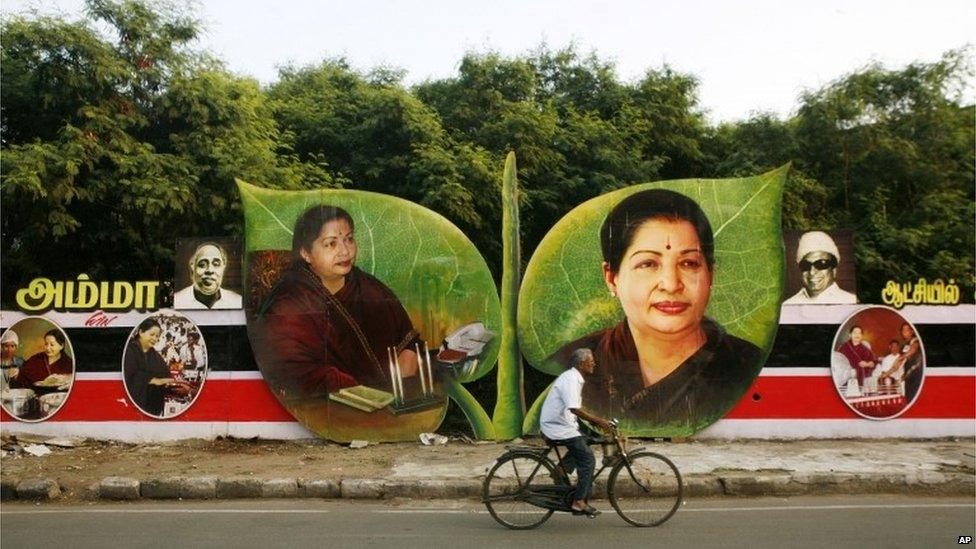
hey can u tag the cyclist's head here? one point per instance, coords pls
(582, 360)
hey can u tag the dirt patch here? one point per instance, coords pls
(78, 468)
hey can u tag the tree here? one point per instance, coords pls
(577, 129)
(895, 149)
(380, 138)
(115, 144)
(762, 143)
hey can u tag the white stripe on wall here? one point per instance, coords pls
(765, 372)
(151, 431)
(138, 431)
(838, 428)
(916, 314)
(789, 314)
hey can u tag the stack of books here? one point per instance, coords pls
(362, 398)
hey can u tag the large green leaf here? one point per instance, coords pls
(436, 272)
(564, 297)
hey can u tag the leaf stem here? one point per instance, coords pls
(510, 400)
(476, 415)
(530, 425)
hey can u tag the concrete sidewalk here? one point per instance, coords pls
(231, 469)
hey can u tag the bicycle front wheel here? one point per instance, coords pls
(648, 492)
(509, 489)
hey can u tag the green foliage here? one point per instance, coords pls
(382, 139)
(895, 149)
(117, 143)
(886, 153)
(577, 130)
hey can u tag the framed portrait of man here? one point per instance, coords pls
(207, 274)
(820, 268)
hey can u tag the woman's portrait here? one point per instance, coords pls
(665, 361)
(327, 325)
(164, 365)
(877, 363)
(364, 310)
(859, 355)
(38, 369)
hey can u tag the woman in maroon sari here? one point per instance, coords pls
(861, 357)
(665, 362)
(327, 324)
(52, 360)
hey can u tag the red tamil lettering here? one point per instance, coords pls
(99, 319)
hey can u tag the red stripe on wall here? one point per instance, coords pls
(221, 400)
(779, 397)
(788, 397)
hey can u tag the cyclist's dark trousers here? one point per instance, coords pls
(579, 457)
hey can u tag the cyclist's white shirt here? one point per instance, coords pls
(557, 421)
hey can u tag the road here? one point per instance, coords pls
(835, 522)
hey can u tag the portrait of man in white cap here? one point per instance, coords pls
(206, 268)
(817, 258)
(10, 363)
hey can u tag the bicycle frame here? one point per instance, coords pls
(528, 499)
(554, 497)
(546, 497)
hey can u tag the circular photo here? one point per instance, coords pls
(164, 364)
(878, 363)
(38, 369)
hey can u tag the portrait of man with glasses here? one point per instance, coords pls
(818, 258)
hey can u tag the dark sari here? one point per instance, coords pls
(698, 392)
(856, 354)
(37, 369)
(310, 342)
(138, 369)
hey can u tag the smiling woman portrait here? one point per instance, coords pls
(665, 362)
(327, 324)
(51, 360)
(144, 371)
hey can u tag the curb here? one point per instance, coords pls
(732, 485)
(38, 489)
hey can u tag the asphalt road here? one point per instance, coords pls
(835, 522)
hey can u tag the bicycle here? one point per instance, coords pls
(525, 487)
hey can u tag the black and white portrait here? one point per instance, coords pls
(820, 268)
(208, 273)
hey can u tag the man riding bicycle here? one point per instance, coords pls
(559, 424)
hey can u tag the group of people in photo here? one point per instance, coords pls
(52, 359)
(37, 369)
(894, 370)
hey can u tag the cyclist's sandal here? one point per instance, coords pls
(589, 511)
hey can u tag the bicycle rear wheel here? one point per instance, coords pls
(649, 492)
(508, 490)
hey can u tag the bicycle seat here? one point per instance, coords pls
(553, 443)
(590, 441)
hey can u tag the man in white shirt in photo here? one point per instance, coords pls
(817, 257)
(559, 423)
(206, 266)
